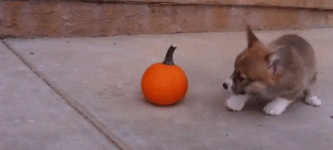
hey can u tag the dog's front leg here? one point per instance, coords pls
(236, 102)
(277, 106)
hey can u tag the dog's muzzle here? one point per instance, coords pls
(228, 86)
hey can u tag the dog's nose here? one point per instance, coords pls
(225, 86)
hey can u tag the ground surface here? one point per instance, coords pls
(85, 94)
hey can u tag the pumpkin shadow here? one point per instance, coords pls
(145, 101)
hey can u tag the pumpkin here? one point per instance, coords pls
(164, 83)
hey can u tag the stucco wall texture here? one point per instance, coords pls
(322, 4)
(107, 18)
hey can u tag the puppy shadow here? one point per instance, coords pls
(218, 102)
(256, 103)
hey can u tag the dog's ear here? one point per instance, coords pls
(251, 38)
(274, 64)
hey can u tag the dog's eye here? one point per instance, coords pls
(240, 78)
(250, 80)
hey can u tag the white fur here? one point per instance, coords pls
(230, 84)
(277, 106)
(236, 102)
(313, 101)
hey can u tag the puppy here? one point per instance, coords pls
(281, 72)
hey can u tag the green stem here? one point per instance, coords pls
(169, 56)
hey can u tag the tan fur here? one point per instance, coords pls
(253, 63)
(281, 71)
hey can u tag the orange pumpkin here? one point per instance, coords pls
(164, 83)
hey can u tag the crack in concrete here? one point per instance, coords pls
(117, 142)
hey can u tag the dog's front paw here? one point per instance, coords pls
(276, 107)
(313, 101)
(236, 102)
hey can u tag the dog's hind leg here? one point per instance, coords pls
(309, 93)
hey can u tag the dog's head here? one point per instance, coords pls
(255, 68)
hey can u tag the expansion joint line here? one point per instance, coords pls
(72, 103)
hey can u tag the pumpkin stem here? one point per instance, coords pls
(169, 56)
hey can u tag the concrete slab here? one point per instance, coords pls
(33, 116)
(104, 74)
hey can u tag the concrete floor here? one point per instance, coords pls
(100, 78)
(34, 117)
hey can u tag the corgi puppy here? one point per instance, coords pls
(280, 71)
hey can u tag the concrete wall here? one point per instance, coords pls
(69, 18)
